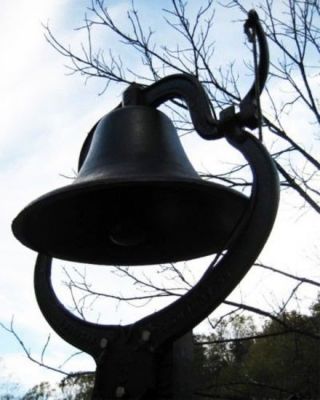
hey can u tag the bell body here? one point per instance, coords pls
(137, 200)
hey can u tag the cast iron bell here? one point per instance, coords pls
(137, 200)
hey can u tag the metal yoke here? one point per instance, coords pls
(137, 361)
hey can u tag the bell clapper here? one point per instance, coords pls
(127, 233)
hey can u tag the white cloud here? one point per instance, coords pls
(21, 370)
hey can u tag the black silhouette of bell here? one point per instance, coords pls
(137, 200)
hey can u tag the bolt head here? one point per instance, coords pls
(120, 392)
(103, 343)
(145, 335)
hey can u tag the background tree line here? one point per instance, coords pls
(238, 360)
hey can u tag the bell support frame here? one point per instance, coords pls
(127, 357)
(144, 339)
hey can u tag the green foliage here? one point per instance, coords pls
(238, 361)
(8, 387)
(280, 360)
(43, 391)
(77, 387)
(74, 387)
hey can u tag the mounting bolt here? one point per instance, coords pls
(120, 392)
(103, 343)
(145, 335)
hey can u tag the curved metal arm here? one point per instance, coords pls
(84, 335)
(189, 89)
(254, 28)
(183, 86)
(218, 282)
(248, 240)
(249, 105)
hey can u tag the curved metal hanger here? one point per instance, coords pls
(218, 282)
(141, 340)
(129, 353)
(87, 336)
(247, 242)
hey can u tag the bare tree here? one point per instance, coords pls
(294, 33)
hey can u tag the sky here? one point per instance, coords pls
(45, 116)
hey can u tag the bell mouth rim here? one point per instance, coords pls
(73, 190)
(114, 182)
